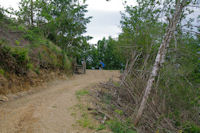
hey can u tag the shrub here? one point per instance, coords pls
(20, 54)
(29, 36)
(21, 28)
(2, 41)
(121, 127)
(66, 64)
(17, 42)
(2, 72)
(14, 59)
(191, 128)
(1, 14)
(30, 66)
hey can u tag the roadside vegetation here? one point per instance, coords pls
(37, 40)
(172, 104)
(158, 52)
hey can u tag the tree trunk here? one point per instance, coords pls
(31, 12)
(160, 58)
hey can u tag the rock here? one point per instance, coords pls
(3, 98)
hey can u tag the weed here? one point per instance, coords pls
(121, 127)
(120, 112)
(73, 114)
(2, 72)
(30, 66)
(21, 54)
(17, 42)
(117, 84)
(107, 98)
(21, 28)
(29, 36)
(3, 41)
(81, 93)
(101, 127)
(191, 128)
(37, 70)
(85, 121)
(1, 14)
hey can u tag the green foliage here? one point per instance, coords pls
(30, 36)
(107, 98)
(64, 27)
(14, 59)
(101, 127)
(37, 70)
(121, 127)
(85, 121)
(1, 13)
(66, 63)
(21, 28)
(30, 66)
(108, 52)
(191, 128)
(17, 42)
(20, 54)
(178, 82)
(2, 72)
(2, 41)
(81, 93)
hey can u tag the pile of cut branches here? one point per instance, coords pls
(122, 102)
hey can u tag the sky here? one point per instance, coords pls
(105, 21)
(106, 17)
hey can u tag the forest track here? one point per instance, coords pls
(48, 109)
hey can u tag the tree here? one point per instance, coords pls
(61, 21)
(27, 11)
(160, 58)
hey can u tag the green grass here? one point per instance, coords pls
(85, 121)
(81, 93)
(101, 127)
(121, 127)
(2, 72)
(17, 42)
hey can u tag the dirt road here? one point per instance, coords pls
(48, 110)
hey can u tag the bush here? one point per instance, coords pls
(191, 128)
(29, 36)
(2, 72)
(121, 127)
(2, 41)
(22, 28)
(14, 60)
(1, 15)
(66, 64)
(17, 42)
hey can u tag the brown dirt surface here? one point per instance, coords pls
(48, 109)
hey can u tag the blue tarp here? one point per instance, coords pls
(103, 65)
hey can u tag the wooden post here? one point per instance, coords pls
(84, 67)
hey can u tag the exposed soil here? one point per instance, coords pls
(13, 83)
(48, 109)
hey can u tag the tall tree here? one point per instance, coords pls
(160, 58)
(27, 11)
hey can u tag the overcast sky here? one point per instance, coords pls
(105, 21)
(106, 16)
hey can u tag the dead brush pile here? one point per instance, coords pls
(173, 105)
(122, 102)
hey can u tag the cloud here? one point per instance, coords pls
(106, 16)
(10, 3)
(103, 24)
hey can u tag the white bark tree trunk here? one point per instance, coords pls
(160, 58)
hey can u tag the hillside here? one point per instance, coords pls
(27, 58)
